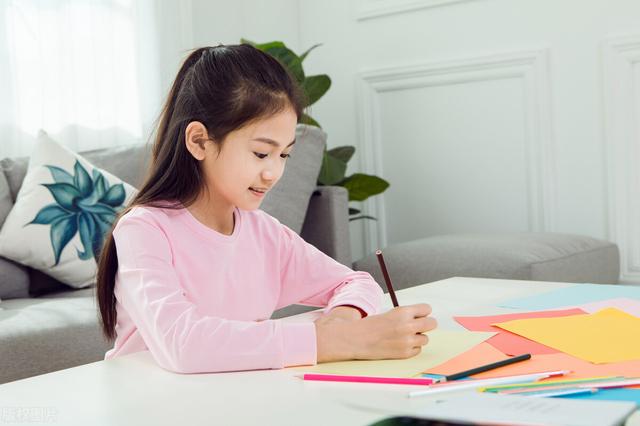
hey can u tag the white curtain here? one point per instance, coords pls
(84, 71)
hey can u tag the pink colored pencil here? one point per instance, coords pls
(368, 379)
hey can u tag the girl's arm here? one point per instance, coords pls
(180, 338)
(310, 277)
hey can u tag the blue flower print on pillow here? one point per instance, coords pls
(84, 204)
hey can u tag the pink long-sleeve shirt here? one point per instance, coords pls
(200, 301)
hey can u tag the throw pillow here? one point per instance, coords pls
(61, 213)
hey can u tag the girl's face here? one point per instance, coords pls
(249, 162)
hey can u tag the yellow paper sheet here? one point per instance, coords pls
(443, 345)
(609, 335)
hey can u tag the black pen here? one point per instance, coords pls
(487, 367)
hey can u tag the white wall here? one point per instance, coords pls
(487, 115)
(188, 24)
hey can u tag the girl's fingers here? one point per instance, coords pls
(420, 340)
(420, 310)
(421, 325)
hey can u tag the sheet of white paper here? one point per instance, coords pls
(484, 408)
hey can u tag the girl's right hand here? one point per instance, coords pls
(395, 334)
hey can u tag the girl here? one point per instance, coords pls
(192, 270)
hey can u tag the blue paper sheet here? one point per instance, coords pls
(574, 295)
(632, 395)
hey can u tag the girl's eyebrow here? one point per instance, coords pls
(272, 142)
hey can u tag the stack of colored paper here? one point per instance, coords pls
(576, 328)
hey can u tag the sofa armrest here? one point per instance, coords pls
(326, 224)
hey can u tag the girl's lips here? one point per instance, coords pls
(257, 193)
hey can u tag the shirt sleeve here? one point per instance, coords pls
(179, 337)
(310, 277)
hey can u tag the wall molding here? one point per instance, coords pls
(368, 9)
(530, 67)
(621, 95)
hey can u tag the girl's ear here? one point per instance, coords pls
(196, 137)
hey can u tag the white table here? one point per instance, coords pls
(134, 390)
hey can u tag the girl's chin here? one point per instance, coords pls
(250, 205)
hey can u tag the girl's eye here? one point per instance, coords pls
(285, 156)
(260, 156)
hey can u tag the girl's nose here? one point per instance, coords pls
(272, 172)
(268, 175)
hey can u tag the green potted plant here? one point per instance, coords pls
(334, 163)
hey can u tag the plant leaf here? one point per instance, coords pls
(61, 233)
(332, 170)
(343, 153)
(87, 230)
(82, 180)
(49, 214)
(362, 186)
(306, 119)
(263, 46)
(315, 87)
(64, 194)
(115, 196)
(60, 175)
(290, 60)
(304, 55)
(280, 51)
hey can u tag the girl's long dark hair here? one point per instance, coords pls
(224, 88)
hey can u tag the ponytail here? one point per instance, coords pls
(108, 261)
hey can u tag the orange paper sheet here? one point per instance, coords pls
(484, 353)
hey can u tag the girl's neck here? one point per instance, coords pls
(216, 216)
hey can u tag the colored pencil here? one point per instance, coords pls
(387, 279)
(561, 392)
(480, 383)
(487, 367)
(591, 381)
(367, 379)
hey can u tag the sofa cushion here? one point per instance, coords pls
(520, 256)
(128, 163)
(6, 202)
(289, 199)
(14, 280)
(15, 169)
(63, 208)
(49, 333)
